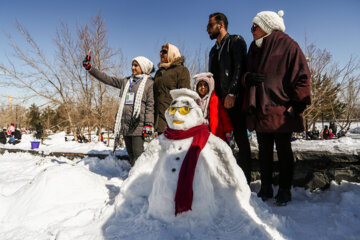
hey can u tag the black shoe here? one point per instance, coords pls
(266, 192)
(283, 197)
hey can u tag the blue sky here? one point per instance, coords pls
(141, 27)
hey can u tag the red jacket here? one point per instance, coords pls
(219, 122)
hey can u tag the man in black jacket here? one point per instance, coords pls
(227, 64)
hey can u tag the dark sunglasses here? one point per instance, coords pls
(210, 25)
(254, 27)
(163, 51)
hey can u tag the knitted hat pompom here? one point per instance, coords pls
(281, 13)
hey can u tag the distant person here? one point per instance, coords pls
(15, 138)
(39, 131)
(81, 138)
(325, 133)
(215, 115)
(341, 133)
(278, 91)
(315, 134)
(17, 134)
(293, 137)
(333, 127)
(3, 136)
(172, 74)
(136, 106)
(12, 128)
(331, 134)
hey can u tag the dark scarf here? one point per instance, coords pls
(184, 191)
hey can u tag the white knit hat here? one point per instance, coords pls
(270, 21)
(145, 64)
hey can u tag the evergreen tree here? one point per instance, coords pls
(33, 116)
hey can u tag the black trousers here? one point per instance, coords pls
(238, 120)
(134, 147)
(285, 156)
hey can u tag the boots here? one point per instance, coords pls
(266, 192)
(283, 197)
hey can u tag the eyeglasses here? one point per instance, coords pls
(210, 25)
(254, 27)
(182, 110)
(163, 51)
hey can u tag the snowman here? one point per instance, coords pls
(188, 174)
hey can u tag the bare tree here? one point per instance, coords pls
(63, 81)
(196, 60)
(40, 77)
(335, 89)
(349, 77)
(12, 113)
(93, 91)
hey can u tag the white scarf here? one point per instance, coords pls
(137, 103)
(259, 41)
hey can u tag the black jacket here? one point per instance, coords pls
(228, 65)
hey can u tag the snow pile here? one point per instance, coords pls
(44, 195)
(345, 145)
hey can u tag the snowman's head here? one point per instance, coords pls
(184, 111)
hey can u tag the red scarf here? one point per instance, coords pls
(184, 191)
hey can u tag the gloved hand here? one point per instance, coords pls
(295, 110)
(254, 79)
(147, 133)
(87, 62)
(230, 139)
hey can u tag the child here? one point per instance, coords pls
(135, 115)
(215, 115)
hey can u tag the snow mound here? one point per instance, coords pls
(108, 167)
(55, 194)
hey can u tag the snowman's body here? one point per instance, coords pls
(219, 185)
(213, 171)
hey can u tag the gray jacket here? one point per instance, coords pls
(129, 127)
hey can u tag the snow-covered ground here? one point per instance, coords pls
(56, 198)
(57, 143)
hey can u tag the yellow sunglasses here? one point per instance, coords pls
(182, 110)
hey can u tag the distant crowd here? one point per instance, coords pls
(328, 132)
(11, 135)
